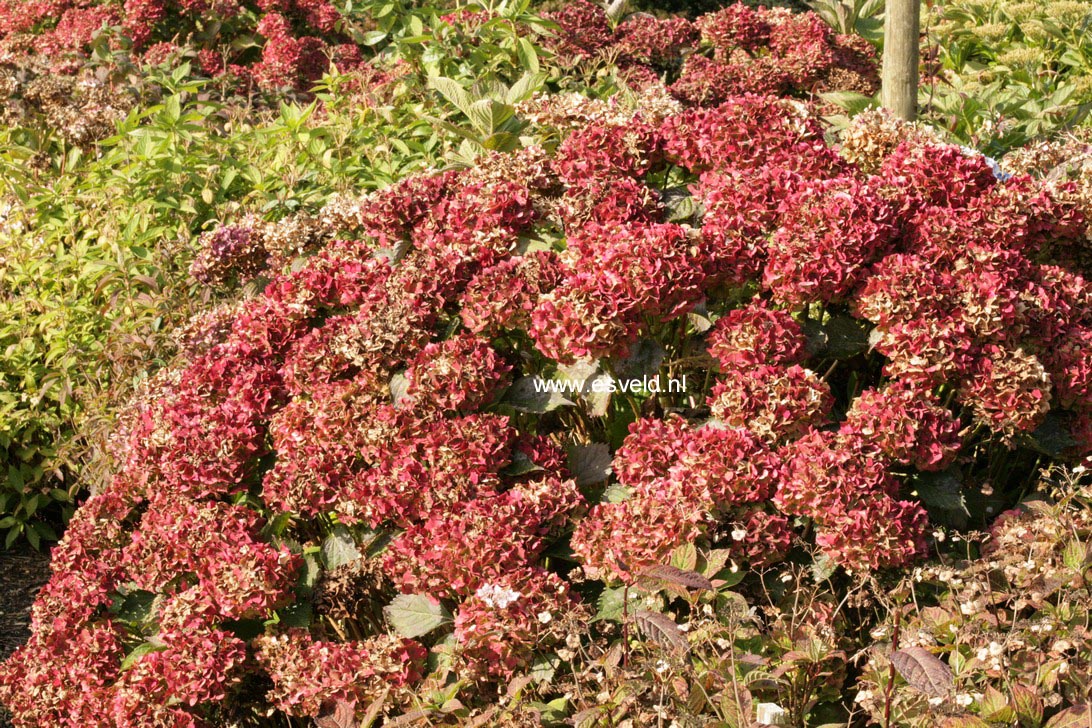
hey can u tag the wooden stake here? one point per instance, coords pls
(900, 58)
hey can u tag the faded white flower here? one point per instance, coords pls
(497, 596)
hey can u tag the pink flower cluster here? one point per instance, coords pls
(733, 51)
(299, 38)
(379, 383)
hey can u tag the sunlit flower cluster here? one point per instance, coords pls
(298, 38)
(842, 342)
(733, 51)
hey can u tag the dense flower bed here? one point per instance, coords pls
(296, 40)
(846, 333)
(732, 51)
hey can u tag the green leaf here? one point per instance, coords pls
(591, 463)
(841, 337)
(136, 608)
(1052, 437)
(139, 651)
(942, 490)
(544, 668)
(822, 568)
(1078, 716)
(644, 360)
(339, 548)
(528, 60)
(296, 615)
(610, 604)
(453, 91)
(616, 493)
(373, 37)
(854, 103)
(681, 205)
(528, 394)
(415, 615)
(521, 465)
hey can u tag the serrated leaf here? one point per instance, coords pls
(137, 607)
(530, 394)
(528, 83)
(610, 603)
(923, 670)
(616, 11)
(715, 560)
(822, 568)
(484, 116)
(579, 372)
(680, 577)
(965, 721)
(854, 103)
(395, 253)
(415, 615)
(339, 548)
(590, 463)
(662, 630)
(544, 668)
(700, 323)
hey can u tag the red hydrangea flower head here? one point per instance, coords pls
(755, 335)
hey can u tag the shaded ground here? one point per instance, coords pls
(23, 571)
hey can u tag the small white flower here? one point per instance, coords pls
(863, 695)
(739, 534)
(497, 596)
(544, 617)
(963, 700)
(662, 666)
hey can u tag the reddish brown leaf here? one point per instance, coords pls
(1028, 704)
(923, 670)
(661, 630)
(675, 575)
(965, 721)
(342, 716)
(1079, 716)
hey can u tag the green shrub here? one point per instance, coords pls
(94, 271)
(1000, 73)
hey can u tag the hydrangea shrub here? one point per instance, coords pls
(275, 43)
(863, 332)
(735, 50)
